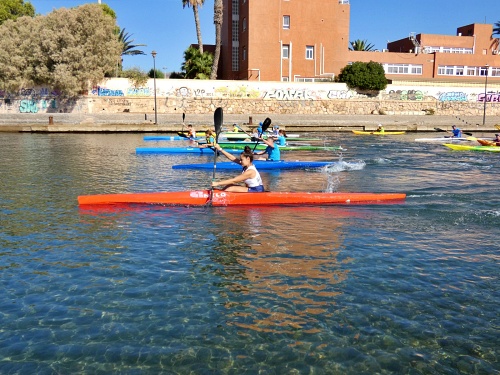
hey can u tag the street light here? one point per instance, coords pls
(485, 88)
(154, 82)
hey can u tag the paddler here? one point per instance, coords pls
(249, 175)
(281, 138)
(380, 129)
(209, 138)
(191, 132)
(457, 133)
(497, 139)
(272, 150)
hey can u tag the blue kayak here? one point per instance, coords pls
(261, 165)
(180, 150)
(166, 138)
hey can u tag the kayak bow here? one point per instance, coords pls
(259, 164)
(223, 198)
(376, 133)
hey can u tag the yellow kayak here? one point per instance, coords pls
(376, 133)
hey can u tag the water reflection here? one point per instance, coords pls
(285, 280)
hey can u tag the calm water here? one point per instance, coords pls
(408, 288)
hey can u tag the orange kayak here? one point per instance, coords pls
(484, 142)
(223, 198)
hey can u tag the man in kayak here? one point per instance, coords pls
(496, 140)
(457, 133)
(249, 176)
(380, 129)
(272, 150)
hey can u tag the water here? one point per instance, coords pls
(408, 288)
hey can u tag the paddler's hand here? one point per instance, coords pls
(215, 184)
(218, 147)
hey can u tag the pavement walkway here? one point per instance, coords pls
(132, 122)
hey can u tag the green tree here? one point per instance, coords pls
(69, 50)
(159, 73)
(13, 9)
(361, 45)
(197, 65)
(363, 76)
(138, 77)
(195, 4)
(218, 16)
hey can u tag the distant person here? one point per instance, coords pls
(496, 140)
(272, 150)
(281, 138)
(209, 138)
(191, 132)
(236, 129)
(457, 133)
(380, 129)
(249, 175)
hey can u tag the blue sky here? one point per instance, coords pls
(169, 29)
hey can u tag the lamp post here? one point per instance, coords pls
(153, 53)
(485, 97)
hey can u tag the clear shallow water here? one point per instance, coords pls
(410, 288)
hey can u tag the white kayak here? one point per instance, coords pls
(443, 140)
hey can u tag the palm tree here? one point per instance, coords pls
(218, 13)
(196, 65)
(361, 45)
(128, 47)
(496, 30)
(195, 4)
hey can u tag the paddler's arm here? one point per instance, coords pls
(249, 173)
(227, 154)
(267, 142)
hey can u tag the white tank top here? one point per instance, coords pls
(253, 182)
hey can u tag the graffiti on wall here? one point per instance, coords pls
(103, 91)
(491, 97)
(453, 96)
(288, 94)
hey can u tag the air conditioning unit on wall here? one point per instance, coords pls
(495, 52)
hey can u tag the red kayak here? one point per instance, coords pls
(223, 198)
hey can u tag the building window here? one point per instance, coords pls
(286, 22)
(403, 69)
(452, 70)
(285, 51)
(309, 52)
(495, 72)
(244, 24)
(236, 9)
(235, 59)
(244, 53)
(284, 79)
(235, 30)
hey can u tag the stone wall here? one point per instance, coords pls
(254, 97)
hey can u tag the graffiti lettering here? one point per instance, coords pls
(119, 102)
(340, 94)
(288, 95)
(490, 98)
(140, 91)
(101, 91)
(453, 97)
(28, 106)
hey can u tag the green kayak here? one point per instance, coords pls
(261, 146)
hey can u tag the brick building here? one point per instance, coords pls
(286, 40)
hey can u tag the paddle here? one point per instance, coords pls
(265, 125)
(446, 131)
(218, 115)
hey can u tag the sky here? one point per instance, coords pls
(167, 28)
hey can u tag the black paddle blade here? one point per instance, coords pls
(218, 115)
(440, 130)
(266, 124)
(183, 117)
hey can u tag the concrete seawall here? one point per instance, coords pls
(131, 122)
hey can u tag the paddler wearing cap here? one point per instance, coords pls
(380, 129)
